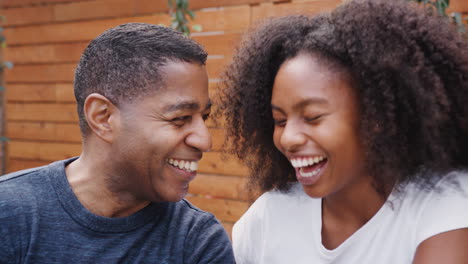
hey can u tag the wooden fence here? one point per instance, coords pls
(45, 40)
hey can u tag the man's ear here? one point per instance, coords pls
(102, 116)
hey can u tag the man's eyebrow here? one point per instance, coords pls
(185, 105)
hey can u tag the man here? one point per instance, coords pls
(142, 96)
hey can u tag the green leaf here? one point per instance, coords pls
(191, 14)
(170, 3)
(197, 28)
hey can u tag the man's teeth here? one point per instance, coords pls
(184, 164)
(304, 162)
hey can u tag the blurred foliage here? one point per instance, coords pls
(180, 13)
(441, 6)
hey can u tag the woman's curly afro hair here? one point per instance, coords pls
(410, 70)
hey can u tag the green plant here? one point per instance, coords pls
(441, 7)
(180, 13)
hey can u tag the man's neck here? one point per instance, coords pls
(88, 179)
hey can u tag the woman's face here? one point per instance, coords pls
(316, 117)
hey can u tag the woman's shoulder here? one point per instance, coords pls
(441, 207)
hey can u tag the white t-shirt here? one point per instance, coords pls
(286, 227)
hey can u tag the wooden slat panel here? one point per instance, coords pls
(225, 210)
(93, 10)
(43, 151)
(42, 112)
(13, 3)
(27, 15)
(217, 135)
(152, 6)
(69, 52)
(221, 44)
(40, 93)
(213, 163)
(197, 4)
(215, 186)
(82, 31)
(305, 8)
(49, 73)
(458, 6)
(214, 67)
(41, 73)
(60, 132)
(44, 131)
(20, 164)
(235, 19)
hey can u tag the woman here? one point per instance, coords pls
(355, 125)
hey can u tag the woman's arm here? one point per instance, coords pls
(449, 248)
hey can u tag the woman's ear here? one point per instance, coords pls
(102, 116)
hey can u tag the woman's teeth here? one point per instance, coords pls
(304, 162)
(186, 165)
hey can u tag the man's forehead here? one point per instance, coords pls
(187, 105)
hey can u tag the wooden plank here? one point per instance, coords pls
(219, 44)
(41, 73)
(458, 6)
(41, 112)
(40, 93)
(27, 15)
(197, 4)
(49, 131)
(235, 19)
(215, 66)
(216, 186)
(43, 151)
(213, 163)
(224, 210)
(21, 3)
(50, 73)
(222, 44)
(60, 132)
(266, 10)
(69, 32)
(93, 10)
(68, 52)
(217, 135)
(21, 164)
(152, 6)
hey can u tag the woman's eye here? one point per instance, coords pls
(279, 122)
(205, 116)
(313, 119)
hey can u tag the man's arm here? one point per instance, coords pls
(449, 248)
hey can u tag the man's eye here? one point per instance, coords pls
(181, 120)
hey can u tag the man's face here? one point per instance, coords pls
(162, 137)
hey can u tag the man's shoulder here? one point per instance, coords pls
(20, 189)
(20, 175)
(188, 210)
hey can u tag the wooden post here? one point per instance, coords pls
(2, 116)
(3, 143)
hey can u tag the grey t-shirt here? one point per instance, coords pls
(42, 221)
